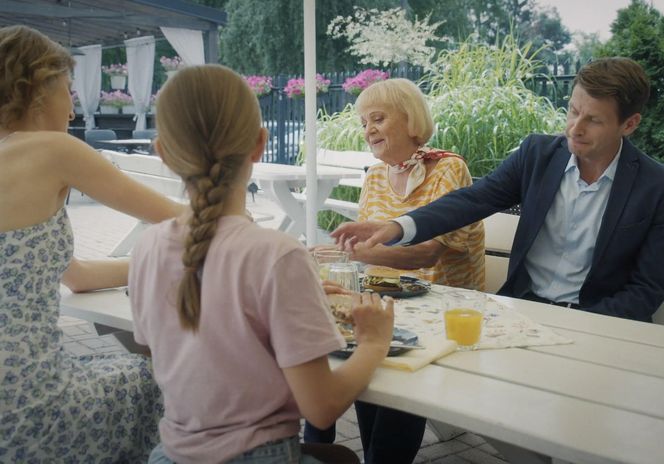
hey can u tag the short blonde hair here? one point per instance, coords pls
(29, 62)
(209, 122)
(402, 95)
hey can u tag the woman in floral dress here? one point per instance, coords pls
(55, 407)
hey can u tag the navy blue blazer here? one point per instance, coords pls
(626, 277)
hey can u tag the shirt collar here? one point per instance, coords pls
(609, 172)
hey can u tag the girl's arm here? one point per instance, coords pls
(82, 276)
(323, 394)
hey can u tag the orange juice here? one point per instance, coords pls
(464, 326)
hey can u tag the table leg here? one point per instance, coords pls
(279, 192)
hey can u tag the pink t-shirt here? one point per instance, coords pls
(262, 309)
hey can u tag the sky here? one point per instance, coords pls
(592, 15)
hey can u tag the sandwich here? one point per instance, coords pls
(382, 279)
(342, 310)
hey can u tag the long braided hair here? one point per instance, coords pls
(208, 122)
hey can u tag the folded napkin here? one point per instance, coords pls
(412, 360)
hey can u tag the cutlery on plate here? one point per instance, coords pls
(395, 344)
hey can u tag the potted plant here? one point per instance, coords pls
(111, 102)
(356, 84)
(261, 85)
(76, 102)
(118, 75)
(153, 101)
(171, 65)
(295, 87)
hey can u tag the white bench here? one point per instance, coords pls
(152, 172)
(359, 160)
(499, 230)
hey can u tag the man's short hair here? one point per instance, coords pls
(622, 79)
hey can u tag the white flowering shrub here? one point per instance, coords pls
(382, 38)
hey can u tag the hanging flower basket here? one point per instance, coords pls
(118, 74)
(356, 84)
(115, 100)
(295, 87)
(171, 65)
(109, 109)
(118, 82)
(261, 85)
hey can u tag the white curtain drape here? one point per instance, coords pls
(87, 81)
(140, 70)
(187, 43)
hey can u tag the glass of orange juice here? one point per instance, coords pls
(464, 312)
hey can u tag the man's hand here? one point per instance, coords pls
(371, 232)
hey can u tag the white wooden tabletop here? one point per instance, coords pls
(597, 400)
(287, 172)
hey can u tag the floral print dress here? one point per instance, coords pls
(55, 407)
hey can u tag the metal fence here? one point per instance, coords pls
(284, 116)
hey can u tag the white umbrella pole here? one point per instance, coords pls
(310, 118)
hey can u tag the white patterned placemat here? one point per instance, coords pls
(502, 327)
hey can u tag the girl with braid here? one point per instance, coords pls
(234, 314)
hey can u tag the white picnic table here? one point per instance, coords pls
(599, 399)
(279, 181)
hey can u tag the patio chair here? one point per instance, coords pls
(93, 137)
(144, 134)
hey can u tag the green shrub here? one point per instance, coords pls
(480, 105)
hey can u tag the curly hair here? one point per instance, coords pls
(29, 62)
(208, 121)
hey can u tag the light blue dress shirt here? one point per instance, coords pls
(562, 252)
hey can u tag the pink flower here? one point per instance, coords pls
(115, 70)
(261, 85)
(171, 64)
(117, 98)
(355, 85)
(295, 87)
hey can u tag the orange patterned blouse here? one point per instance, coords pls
(462, 261)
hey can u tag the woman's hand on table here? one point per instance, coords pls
(373, 319)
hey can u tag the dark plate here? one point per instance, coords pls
(410, 286)
(399, 335)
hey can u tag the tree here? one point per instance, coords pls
(387, 37)
(638, 33)
(586, 45)
(266, 36)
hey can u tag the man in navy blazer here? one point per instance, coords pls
(591, 231)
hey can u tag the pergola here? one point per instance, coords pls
(76, 23)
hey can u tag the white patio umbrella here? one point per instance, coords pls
(310, 118)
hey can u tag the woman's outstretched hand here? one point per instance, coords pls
(371, 232)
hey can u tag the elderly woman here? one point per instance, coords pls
(56, 407)
(397, 125)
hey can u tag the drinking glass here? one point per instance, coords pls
(345, 274)
(464, 313)
(325, 257)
